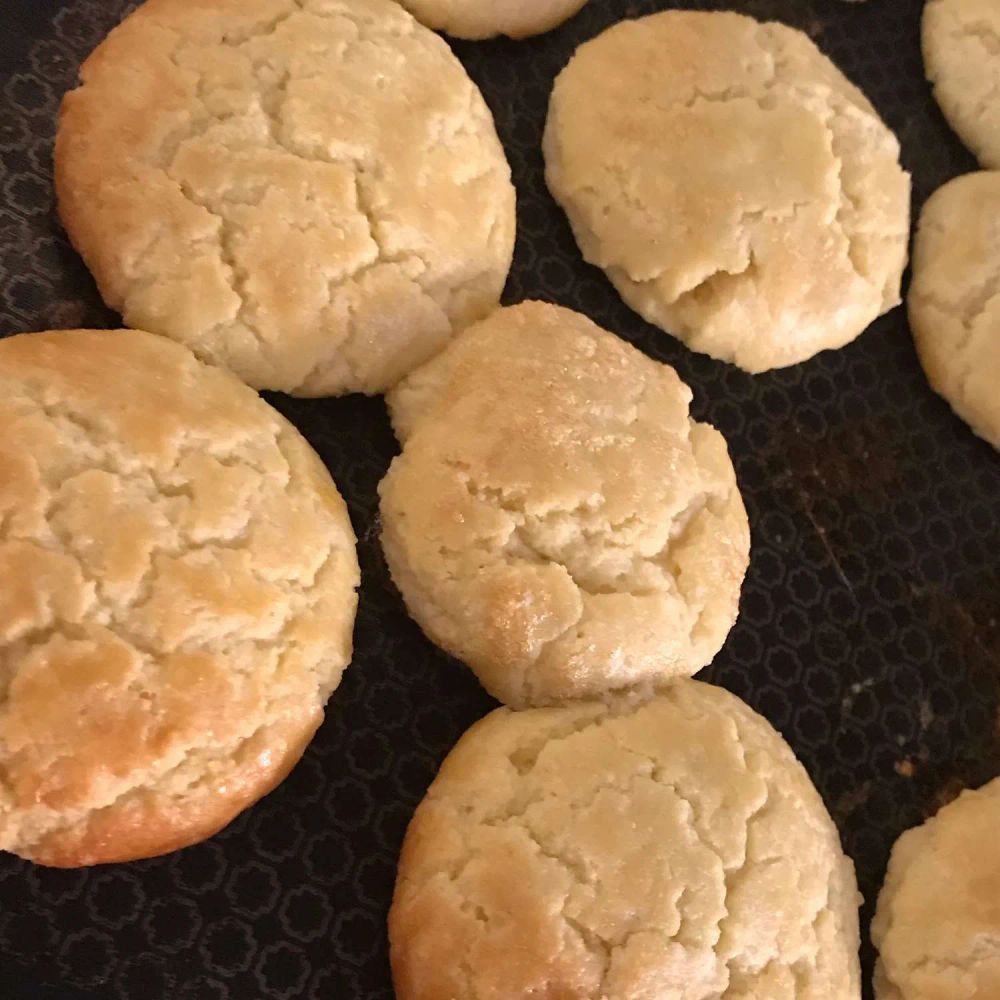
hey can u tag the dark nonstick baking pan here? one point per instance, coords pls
(868, 633)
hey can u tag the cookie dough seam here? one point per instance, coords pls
(938, 965)
(845, 201)
(238, 276)
(525, 764)
(541, 559)
(257, 31)
(163, 488)
(983, 31)
(646, 770)
(295, 592)
(190, 445)
(981, 108)
(732, 876)
(969, 308)
(604, 949)
(265, 31)
(593, 943)
(747, 217)
(519, 517)
(364, 34)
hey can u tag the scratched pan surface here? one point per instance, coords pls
(869, 627)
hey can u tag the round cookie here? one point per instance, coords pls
(556, 519)
(178, 597)
(954, 298)
(486, 18)
(960, 39)
(308, 192)
(738, 191)
(609, 852)
(937, 926)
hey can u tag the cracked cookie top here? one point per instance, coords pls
(937, 926)
(487, 18)
(308, 192)
(615, 852)
(178, 596)
(556, 519)
(954, 298)
(961, 43)
(739, 192)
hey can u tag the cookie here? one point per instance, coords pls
(556, 519)
(738, 191)
(960, 40)
(310, 193)
(609, 852)
(937, 926)
(178, 596)
(954, 298)
(483, 19)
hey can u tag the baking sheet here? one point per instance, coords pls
(869, 626)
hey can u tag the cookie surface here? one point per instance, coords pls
(960, 43)
(484, 19)
(556, 519)
(937, 926)
(954, 298)
(178, 601)
(738, 190)
(308, 192)
(607, 852)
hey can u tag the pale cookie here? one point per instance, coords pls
(608, 852)
(178, 596)
(961, 42)
(556, 519)
(308, 192)
(487, 18)
(954, 298)
(739, 192)
(937, 927)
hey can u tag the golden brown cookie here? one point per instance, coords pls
(308, 192)
(615, 852)
(738, 190)
(937, 927)
(556, 518)
(487, 18)
(954, 298)
(961, 39)
(178, 596)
